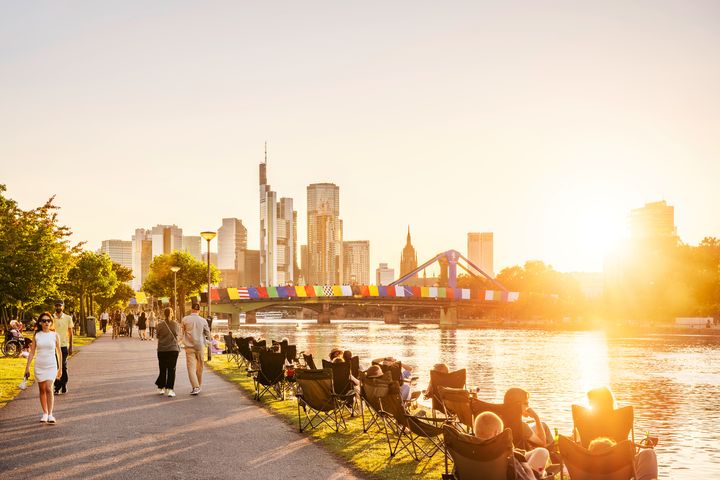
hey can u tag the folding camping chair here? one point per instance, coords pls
(456, 404)
(616, 424)
(454, 379)
(270, 376)
(316, 399)
(617, 463)
(343, 387)
(476, 459)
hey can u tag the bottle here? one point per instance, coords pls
(556, 438)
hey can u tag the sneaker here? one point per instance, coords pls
(51, 419)
(44, 418)
(161, 391)
(63, 391)
(170, 393)
(195, 391)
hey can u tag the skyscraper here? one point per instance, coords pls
(278, 234)
(408, 258)
(119, 251)
(166, 239)
(141, 256)
(232, 239)
(324, 232)
(480, 251)
(384, 275)
(356, 262)
(654, 221)
(193, 245)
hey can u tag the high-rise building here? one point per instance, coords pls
(384, 275)
(654, 221)
(232, 239)
(142, 254)
(166, 239)
(193, 245)
(119, 251)
(278, 234)
(249, 276)
(324, 230)
(304, 264)
(480, 251)
(356, 262)
(408, 259)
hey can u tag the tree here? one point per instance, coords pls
(34, 253)
(121, 295)
(190, 278)
(92, 274)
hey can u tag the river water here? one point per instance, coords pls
(673, 381)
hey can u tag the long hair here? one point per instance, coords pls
(38, 327)
(168, 313)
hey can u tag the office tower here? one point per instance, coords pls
(193, 245)
(232, 239)
(655, 221)
(304, 264)
(166, 239)
(324, 232)
(249, 276)
(408, 258)
(286, 242)
(141, 256)
(356, 262)
(480, 251)
(119, 251)
(384, 275)
(278, 234)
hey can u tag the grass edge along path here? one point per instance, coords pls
(12, 370)
(366, 452)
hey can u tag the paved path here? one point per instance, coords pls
(113, 424)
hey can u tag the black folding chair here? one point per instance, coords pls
(231, 348)
(317, 401)
(454, 379)
(616, 463)
(270, 376)
(309, 362)
(290, 352)
(456, 404)
(476, 459)
(616, 424)
(243, 347)
(343, 387)
(371, 391)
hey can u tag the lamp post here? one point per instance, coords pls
(175, 270)
(208, 236)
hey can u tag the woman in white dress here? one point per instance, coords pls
(46, 346)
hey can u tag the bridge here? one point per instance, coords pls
(392, 300)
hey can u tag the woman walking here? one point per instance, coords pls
(142, 326)
(152, 323)
(46, 345)
(167, 353)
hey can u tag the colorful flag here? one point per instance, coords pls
(465, 293)
(373, 291)
(310, 290)
(327, 290)
(319, 292)
(214, 294)
(382, 291)
(337, 291)
(365, 290)
(243, 293)
(432, 292)
(300, 291)
(347, 291)
(441, 292)
(281, 292)
(399, 291)
(233, 294)
(253, 293)
(262, 292)
(513, 296)
(141, 298)
(290, 292)
(424, 292)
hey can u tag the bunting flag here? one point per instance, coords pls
(300, 291)
(290, 292)
(416, 292)
(310, 290)
(253, 293)
(233, 294)
(513, 296)
(223, 295)
(465, 294)
(347, 291)
(450, 293)
(141, 298)
(399, 291)
(382, 291)
(262, 292)
(214, 295)
(372, 291)
(441, 292)
(424, 292)
(432, 292)
(327, 290)
(272, 292)
(364, 290)
(243, 293)
(337, 291)
(390, 291)
(356, 290)
(281, 292)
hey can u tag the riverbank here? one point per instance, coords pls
(366, 452)
(12, 370)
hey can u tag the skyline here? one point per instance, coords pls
(480, 118)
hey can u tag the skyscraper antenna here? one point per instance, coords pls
(265, 152)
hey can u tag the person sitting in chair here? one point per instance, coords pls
(539, 433)
(438, 367)
(646, 467)
(488, 425)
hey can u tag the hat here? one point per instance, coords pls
(59, 302)
(195, 306)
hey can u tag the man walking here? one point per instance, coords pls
(195, 331)
(64, 329)
(104, 317)
(130, 322)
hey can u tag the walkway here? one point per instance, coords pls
(113, 424)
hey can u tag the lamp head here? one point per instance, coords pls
(174, 269)
(208, 235)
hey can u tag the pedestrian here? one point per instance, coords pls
(167, 353)
(142, 326)
(116, 320)
(104, 317)
(151, 323)
(64, 328)
(195, 331)
(130, 319)
(123, 324)
(46, 348)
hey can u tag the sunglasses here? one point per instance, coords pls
(45, 320)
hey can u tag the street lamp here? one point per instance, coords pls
(175, 270)
(208, 236)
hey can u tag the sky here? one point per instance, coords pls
(544, 122)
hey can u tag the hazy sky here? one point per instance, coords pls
(544, 122)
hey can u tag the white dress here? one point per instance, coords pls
(46, 366)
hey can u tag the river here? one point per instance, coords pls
(673, 381)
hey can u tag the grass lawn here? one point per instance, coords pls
(367, 452)
(12, 369)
